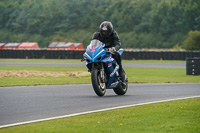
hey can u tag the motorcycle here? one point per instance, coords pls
(104, 69)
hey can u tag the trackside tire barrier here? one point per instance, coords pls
(78, 54)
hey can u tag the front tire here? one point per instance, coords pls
(98, 86)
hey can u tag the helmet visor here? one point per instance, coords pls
(105, 32)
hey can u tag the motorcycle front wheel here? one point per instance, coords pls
(98, 86)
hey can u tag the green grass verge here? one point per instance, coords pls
(43, 68)
(160, 75)
(135, 75)
(78, 60)
(41, 60)
(181, 116)
(38, 80)
(153, 61)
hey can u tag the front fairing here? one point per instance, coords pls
(94, 51)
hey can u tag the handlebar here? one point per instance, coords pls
(106, 49)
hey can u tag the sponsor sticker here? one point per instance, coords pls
(93, 48)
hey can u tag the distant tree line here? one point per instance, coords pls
(139, 23)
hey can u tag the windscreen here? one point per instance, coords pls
(94, 43)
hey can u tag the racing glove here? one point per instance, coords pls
(112, 49)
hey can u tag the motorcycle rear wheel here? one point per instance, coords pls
(121, 88)
(98, 86)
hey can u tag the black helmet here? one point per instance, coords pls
(106, 28)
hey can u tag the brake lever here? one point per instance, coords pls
(82, 60)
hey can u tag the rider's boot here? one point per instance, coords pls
(121, 73)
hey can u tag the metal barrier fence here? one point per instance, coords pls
(73, 54)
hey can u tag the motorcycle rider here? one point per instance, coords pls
(109, 36)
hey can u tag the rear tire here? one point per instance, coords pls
(121, 88)
(99, 88)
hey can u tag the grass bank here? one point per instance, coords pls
(135, 75)
(180, 116)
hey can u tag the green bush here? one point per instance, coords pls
(192, 42)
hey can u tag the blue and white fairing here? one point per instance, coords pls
(96, 53)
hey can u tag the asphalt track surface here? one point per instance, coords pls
(145, 65)
(27, 103)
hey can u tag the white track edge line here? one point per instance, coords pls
(94, 111)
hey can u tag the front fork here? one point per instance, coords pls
(102, 72)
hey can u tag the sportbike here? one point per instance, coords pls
(104, 69)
